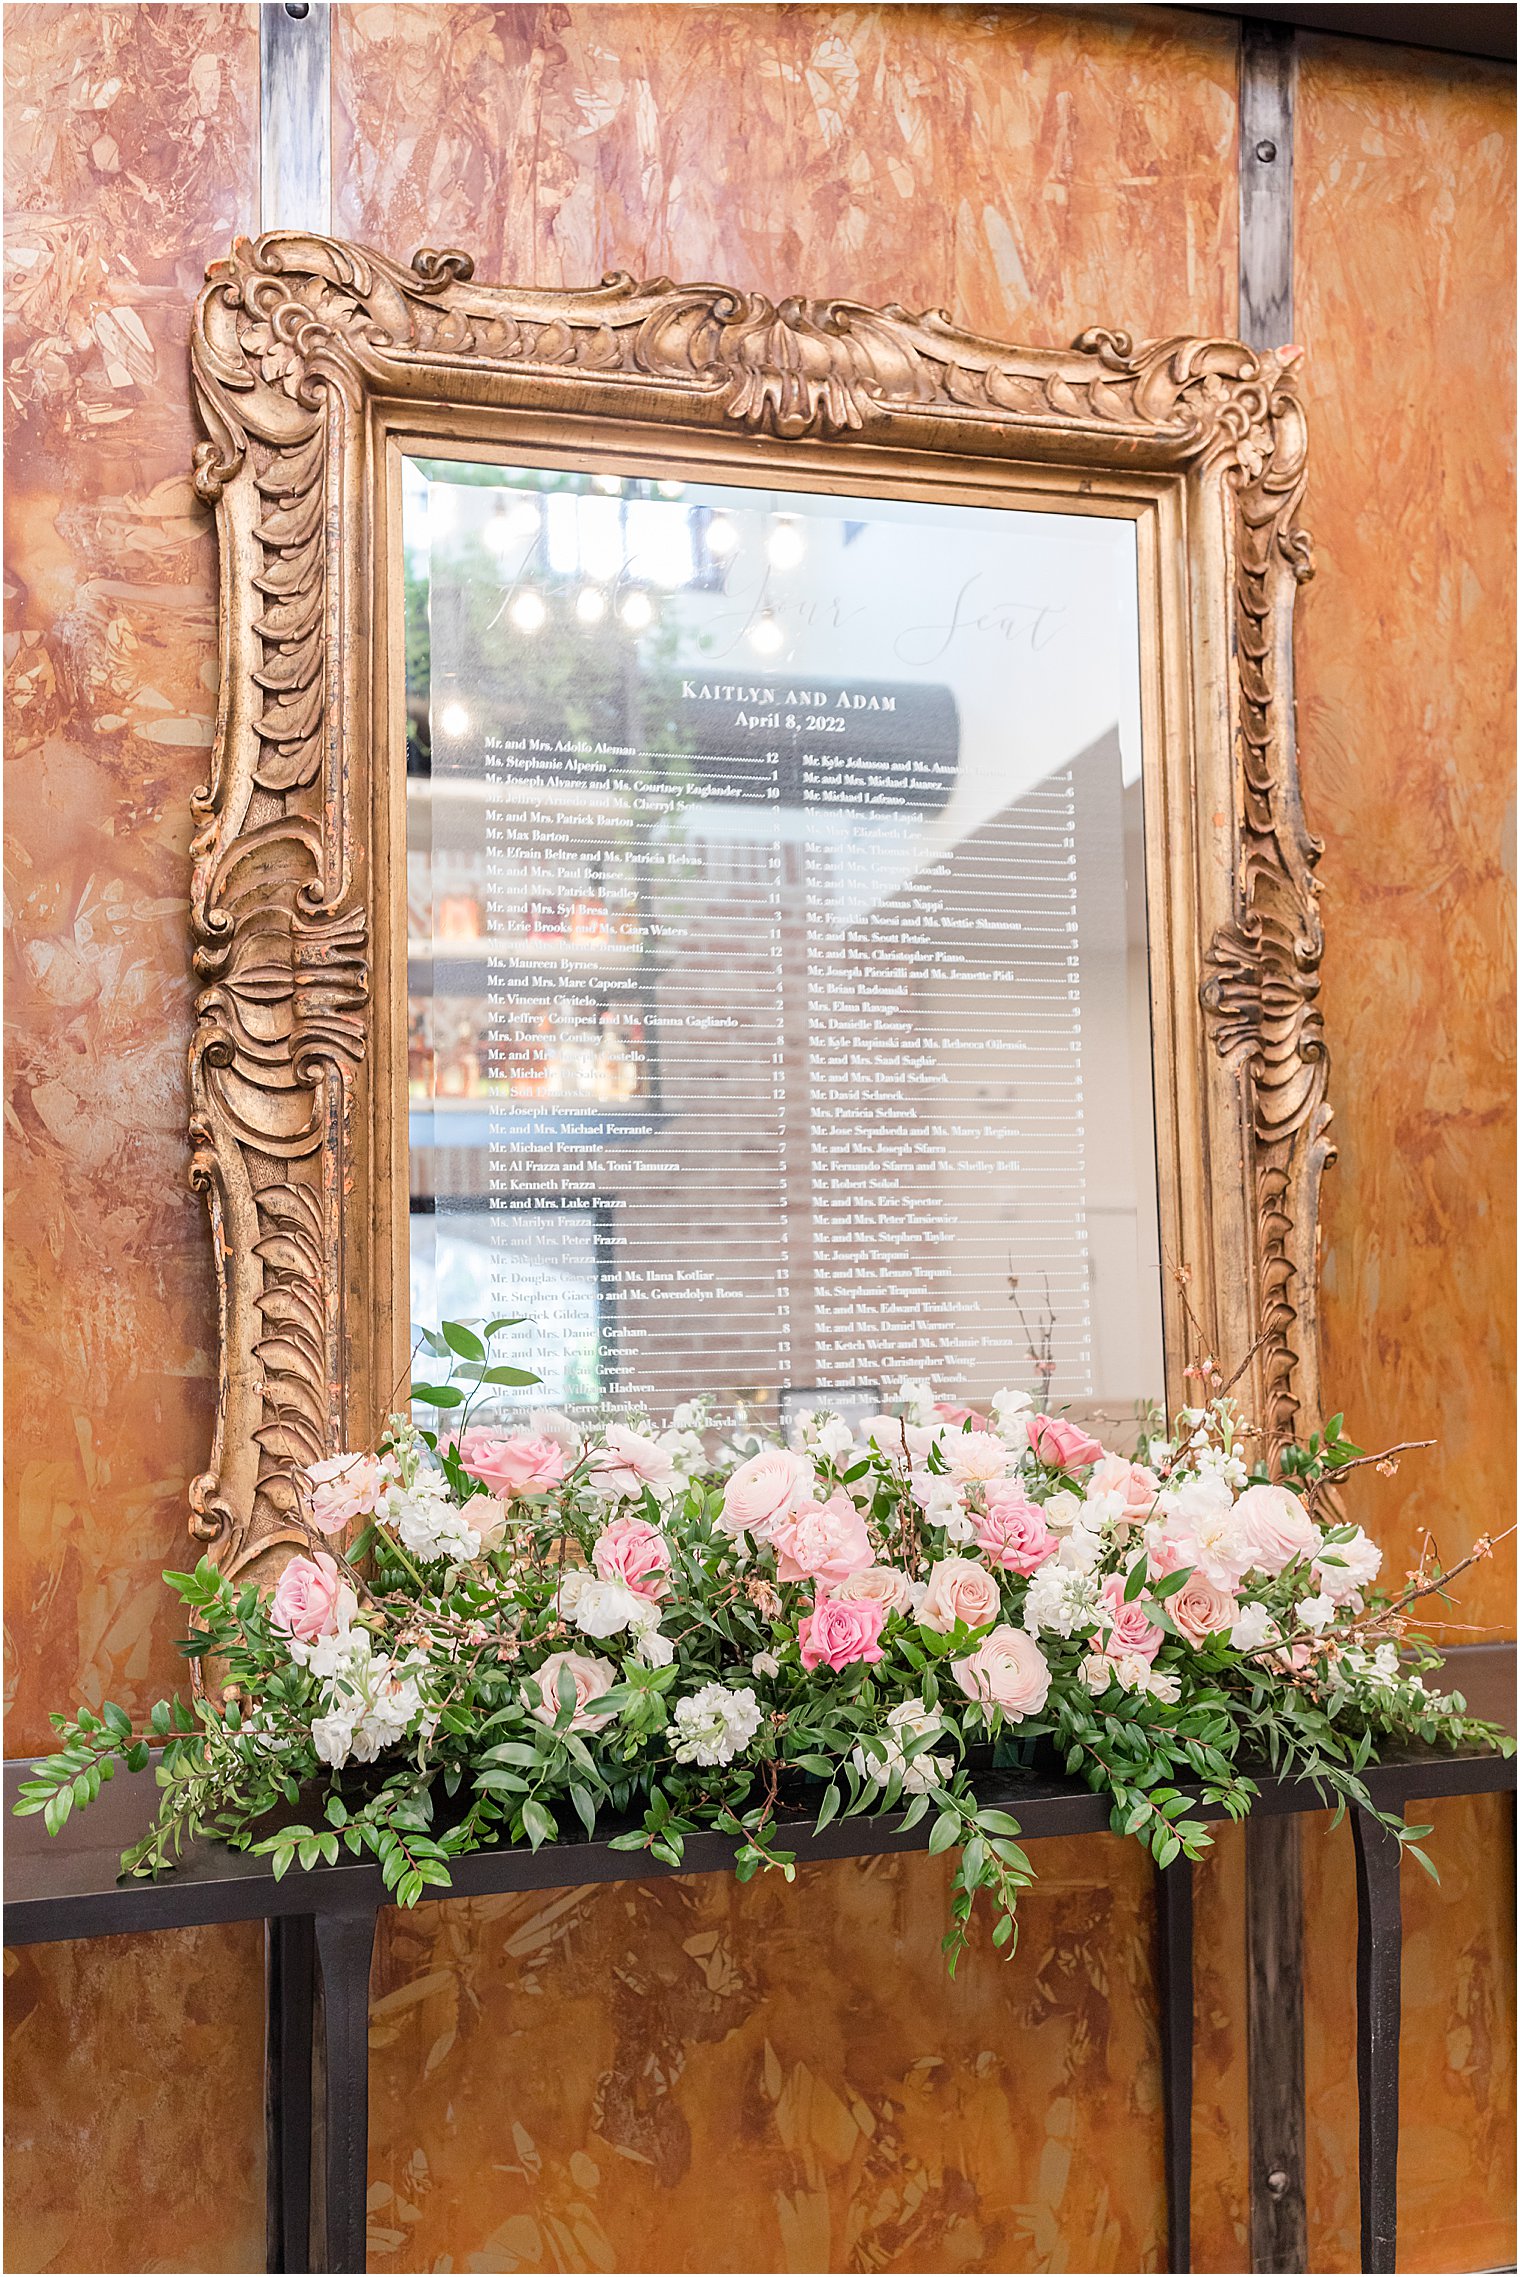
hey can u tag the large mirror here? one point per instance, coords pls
(762, 839)
(778, 1007)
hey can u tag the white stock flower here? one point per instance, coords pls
(685, 1450)
(816, 1429)
(958, 1528)
(654, 1649)
(1315, 1613)
(426, 1520)
(715, 1724)
(1059, 1601)
(1080, 1551)
(916, 1397)
(909, 1720)
(1162, 1684)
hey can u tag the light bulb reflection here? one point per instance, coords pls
(611, 483)
(722, 537)
(590, 605)
(507, 525)
(765, 636)
(670, 489)
(637, 612)
(454, 720)
(786, 544)
(528, 612)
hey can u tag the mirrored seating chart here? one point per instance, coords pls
(778, 1008)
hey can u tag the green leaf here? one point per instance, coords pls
(504, 1375)
(492, 1326)
(438, 1395)
(538, 1823)
(463, 1340)
(945, 1830)
(830, 1804)
(1136, 1580)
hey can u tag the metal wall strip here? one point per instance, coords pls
(295, 114)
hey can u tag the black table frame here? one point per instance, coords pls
(320, 1933)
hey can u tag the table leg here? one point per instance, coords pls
(1275, 2043)
(290, 2003)
(345, 1948)
(1174, 1909)
(1379, 1953)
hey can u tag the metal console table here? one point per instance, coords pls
(320, 1930)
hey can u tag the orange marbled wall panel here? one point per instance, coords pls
(1404, 213)
(133, 2125)
(1034, 170)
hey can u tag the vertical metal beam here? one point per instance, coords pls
(1266, 184)
(345, 1948)
(290, 1994)
(1379, 1954)
(1275, 2043)
(1174, 1922)
(295, 115)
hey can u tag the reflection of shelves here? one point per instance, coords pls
(523, 1124)
(569, 800)
(520, 948)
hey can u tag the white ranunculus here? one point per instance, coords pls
(1096, 1671)
(715, 1724)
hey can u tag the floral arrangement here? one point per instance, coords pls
(507, 1634)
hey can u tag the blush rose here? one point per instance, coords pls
(1201, 1609)
(632, 1551)
(959, 1590)
(1130, 1631)
(1011, 1531)
(588, 1672)
(1275, 1527)
(838, 1632)
(1061, 1445)
(511, 1462)
(309, 1598)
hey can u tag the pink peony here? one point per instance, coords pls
(766, 1488)
(959, 1590)
(1131, 1633)
(512, 1463)
(628, 1462)
(632, 1551)
(1201, 1609)
(1133, 1481)
(1007, 1671)
(822, 1541)
(344, 1488)
(839, 1631)
(309, 1598)
(1012, 1532)
(1275, 1528)
(974, 1456)
(1060, 1444)
(588, 1672)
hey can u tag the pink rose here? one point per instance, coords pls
(959, 1590)
(959, 1415)
(588, 1672)
(1133, 1481)
(766, 1488)
(487, 1514)
(1201, 1609)
(837, 1632)
(1060, 1444)
(875, 1585)
(1130, 1632)
(1007, 1671)
(974, 1455)
(822, 1541)
(627, 1462)
(512, 1463)
(309, 1598)
(1012, 1532)
(632, 1551)
(346, 1487)
(1275, 1528)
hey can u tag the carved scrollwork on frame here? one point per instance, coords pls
(303, 349)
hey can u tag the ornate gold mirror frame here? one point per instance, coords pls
(316, 365)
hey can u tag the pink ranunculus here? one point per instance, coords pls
(1061, 1445)
(309, 1598)
(959, 1590)
(632, 1551)
(346, 1487)
(1201, 1609)
(875, 1585)
(588, 1672)
(821, 1541)
(1011, 1532)
(948, 1413)
(627, 1462)
(511, 1462)
(1138, 1485)
(1130, 1630)
(768, 1487)
(1275, 1528)
(1007, 1671)
(972, 1456)
(839, 1631)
